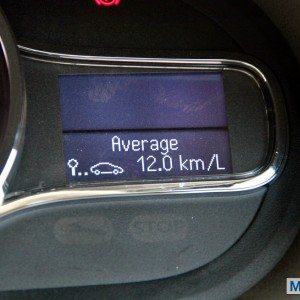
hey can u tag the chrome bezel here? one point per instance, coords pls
(13, 139)
(248, 181)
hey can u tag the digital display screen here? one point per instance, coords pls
(144, 126)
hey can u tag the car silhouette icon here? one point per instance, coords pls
(106, 168)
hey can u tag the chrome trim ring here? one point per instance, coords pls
(15, 127)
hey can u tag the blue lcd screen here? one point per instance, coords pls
(144, 126)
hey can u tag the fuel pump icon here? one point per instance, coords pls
(73, 164)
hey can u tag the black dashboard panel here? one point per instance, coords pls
(116, 240)
(202, 237)
(132, 25)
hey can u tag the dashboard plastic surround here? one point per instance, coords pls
(239, 182)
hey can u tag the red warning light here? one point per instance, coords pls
(107, 2)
